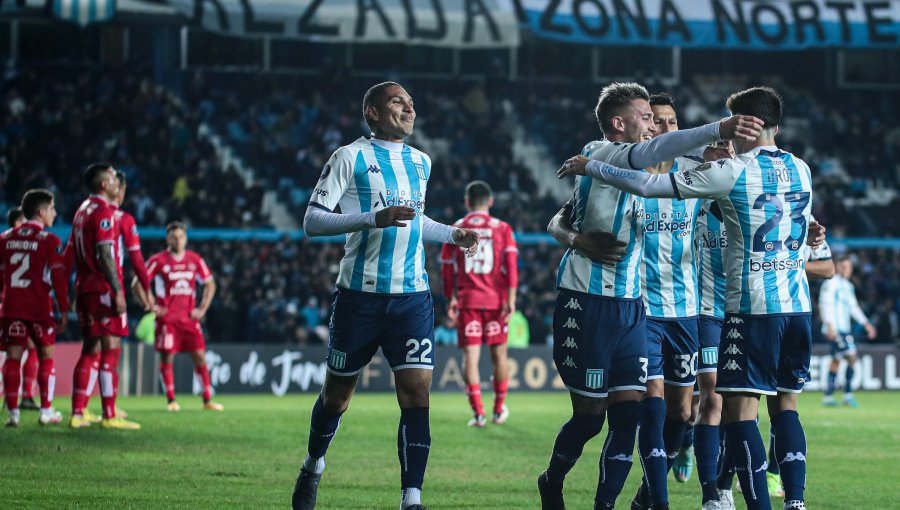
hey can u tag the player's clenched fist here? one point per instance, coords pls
(742, 127)
(467, 239)
(394, 216)
(573, 166)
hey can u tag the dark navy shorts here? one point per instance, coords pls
(361, 322)
(672, 350)
(710, 330)
(764, 354)
(843, 345)
(598, 343)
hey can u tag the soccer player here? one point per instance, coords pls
(599, 326)
(130, 242)
(31, 265)
(14, 218)
(837, 306)
(175, 273)
(765, 198)
(481, 291)
(100, 298)
(382, 297)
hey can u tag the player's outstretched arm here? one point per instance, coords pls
(597, 245)
(673, 144)
(437, 232)
(637, 183)
(820, 269)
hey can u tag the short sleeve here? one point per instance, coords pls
(105, 226)
(709, 180)
(55, 252)
(335, 179)
(510, 240)
(613, 153)
(823, 252)
(203, 271)
(130, 233)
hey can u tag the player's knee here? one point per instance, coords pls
(679, 413)
(710, 405)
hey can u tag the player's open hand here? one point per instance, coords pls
(453, 309)
(394, 216)
(507, 311)
(600, 246)
(573, 166)
(197, 314)
(740, 127)
(870, 331)
(468, 239)
(816, 235)
(62, 324)
(120, 305)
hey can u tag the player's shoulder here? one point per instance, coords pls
(419, 152)
(604, 147)
(191, 254)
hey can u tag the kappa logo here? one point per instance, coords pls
(735, 320)
(573, 304)
(373, 169)
(570, 343)
(733, 350)
(571, 324)
(657, 452)
(791, 457)
(622, 457)
(734, 335)
(569, 362)
(732, 365)
(762, 468)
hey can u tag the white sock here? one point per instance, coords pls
(409, 497)
(314, 465)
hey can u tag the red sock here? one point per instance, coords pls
(203, 372)
(29, 373)
(47, 382)
(80, 381)
(109, 381)
(12, 377)
(473, 391)
(500, 395)
(168, 379)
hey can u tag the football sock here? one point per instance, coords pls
(749, 458)
(688, 437)
(47, 381)
(616, 456)
(569, 444)
(202, 371)
(790, 449)
(706, 449)
(109, 381)
(500, 388)
(29, 373)
(80, 378)
(312, 465)
(12, 378)
(322, 427)
(167, 378)
(848, 379)
(773, 460)
(409, 497)
(94, 374)
(832, 383)
(725, 467)
(652, 449)
(413, 446)
(473, 391)
(673, 436)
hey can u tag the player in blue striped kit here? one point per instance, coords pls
(382, 297)
(837, 306)
(765, 195)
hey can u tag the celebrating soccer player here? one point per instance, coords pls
(482, 297)
(383, 297)
(28, 253)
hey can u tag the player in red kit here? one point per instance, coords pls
(100, 297)
(130, 243)
(174, 274)
(482, 297)
(14, 218)
(30, 261)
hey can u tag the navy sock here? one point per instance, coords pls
(570, 443)
(745, 446)
(790, 449)
(616, 457)
(707, 452)
(413, 445)
(773, 460)
(848, 376)
(653, 449)
(673, 436)
(688, 437)
(322, 427)
(725, 467)
(832, 383)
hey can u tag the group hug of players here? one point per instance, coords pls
(34, 271)
(686, 269)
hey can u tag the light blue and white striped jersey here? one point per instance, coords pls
(669, 269)
(765, 196)
(837, 305)
(711, 240)
(598, 206)
(369, 175)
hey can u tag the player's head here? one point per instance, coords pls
(100, 179)
(120, 179)
(479, 196)
(624, 114)
(664, 118)
(15, 217)
(389, 112)
(38, 205)
(176, 236)
(763, 103)
(844, 266)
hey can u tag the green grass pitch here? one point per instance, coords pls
(248, 457)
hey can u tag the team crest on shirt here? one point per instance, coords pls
(325, 172)
(420, 169)
(105, 224)
(60, 249)
(166, 268)
(16, 329)
(593, 378)
(338, 359)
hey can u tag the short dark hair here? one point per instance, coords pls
(613, 97)
(120, 175)
(478, 193)
(13, 215)
(175, 225)
(373, 96)
(35, 200)
(763, 103)
(92, 175)
(662, 99)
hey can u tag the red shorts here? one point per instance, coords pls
(97, 316)
(179, 337)
(476, 326)
(18, 332)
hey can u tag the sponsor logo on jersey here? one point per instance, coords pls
(593, 378)
(337, 359)
(735, 320)
(776, 265)
(732, 365)
(570, 343)
(181, 288)
(401, 198)
(573, 304)
(569, 362)
(571, 324)
(733, 350)
(734, 335)
(710, 355)
(473, 328)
